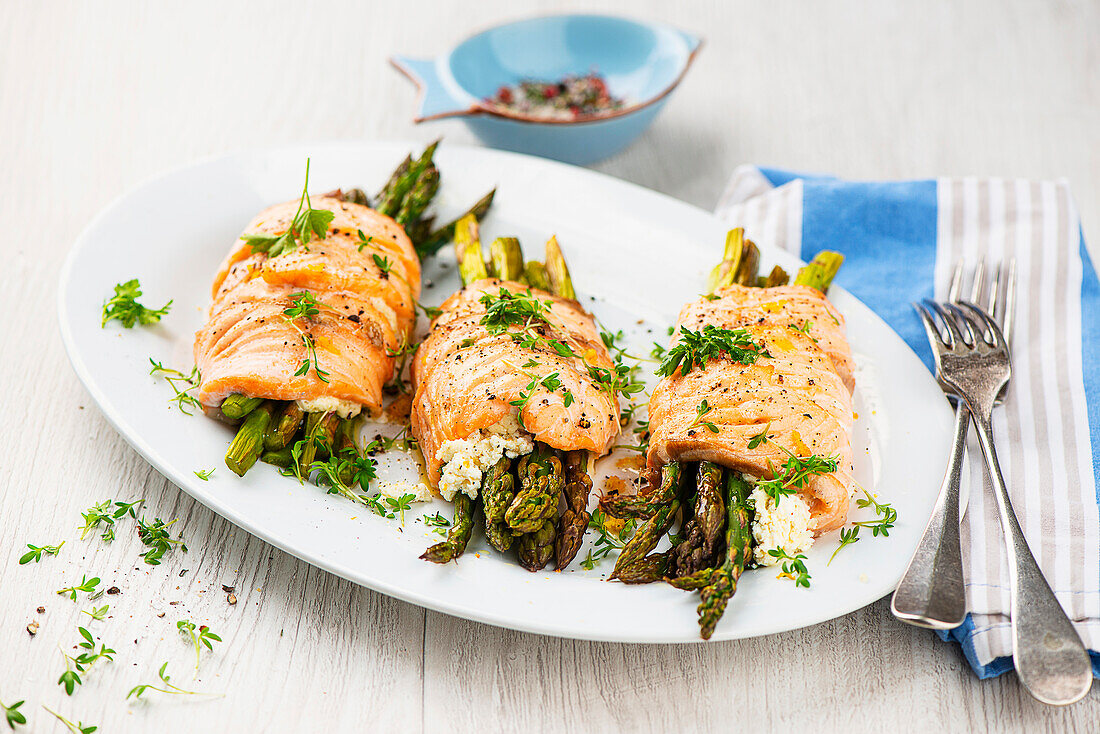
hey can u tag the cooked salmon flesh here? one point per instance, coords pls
(801, 394)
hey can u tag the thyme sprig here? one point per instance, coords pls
(155, 536)
(701, 411)
(794, 474)
(696, 348)
(613, 535)
(305, 306)
(36, 551)
(183, 398)
(199, 636)
(167, 687)
(87, 585)
(794, 567)
(887, 517)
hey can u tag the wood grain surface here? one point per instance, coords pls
(96, 97)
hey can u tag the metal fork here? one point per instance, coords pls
(972, 361)
(931, 592)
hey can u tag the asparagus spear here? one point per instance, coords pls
(750, 264)
(540, 478)
(645, 505)
(536, 276)
(458, 535)
(398, 172)
(446, 233)
(821, 270)
(699, 548)
(778, 276)
(390, 205)
(507, 258)
(535, 549)
(280, 457)
(281, 431)
(249, 441)
(497, 493)
(561, 284)
(652, 567)
(725, 272)
(716, 594)
(357, 196)
(578, 485)
(418, 230)
(237, 406)
(418, 198)
(471, 265)
(320, 429)
(634, 563)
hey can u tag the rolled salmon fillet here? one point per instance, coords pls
(363, 278)
(475, 382)
(800, 393)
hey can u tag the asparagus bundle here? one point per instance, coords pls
(520, 498)
(714, 545)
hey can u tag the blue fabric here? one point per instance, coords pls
(872, 223)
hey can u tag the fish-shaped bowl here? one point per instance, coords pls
(641, 62)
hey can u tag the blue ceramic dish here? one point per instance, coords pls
(641, 62)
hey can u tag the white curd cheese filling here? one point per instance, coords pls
(784, 525)
(325, 404)
(465, 460)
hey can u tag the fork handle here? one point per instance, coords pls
(1050, 659)
(931, 592)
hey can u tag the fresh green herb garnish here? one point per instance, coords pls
(168, 686)
(155, 536)
(124, 308)
(306, 224)
(205, 474)
(383, 263)
(364, 240)
(199, 636)
(36, 551)
(804, 329)
(183, 398)
(793, 566)
(87, 585)
(794, 474)
(658, 351)
(97, 613)
(887, 518)
(701, 411)
(13, 715)
(613, 536)
(405, 350)
(70, 679)
(696, 348)
(400, 504)
(550, 382)
(77, 728)
(305, 306)
(438, 523)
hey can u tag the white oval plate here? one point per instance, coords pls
(640, 254)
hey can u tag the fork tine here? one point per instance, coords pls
(973, 330)
(955, 336)
(1009, 316)
(993, 306)
(955, 291)
(978, 286)
(995, 336)
(934, 334)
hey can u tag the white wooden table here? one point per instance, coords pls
(96, 97)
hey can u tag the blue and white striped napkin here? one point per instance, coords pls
(901, 241)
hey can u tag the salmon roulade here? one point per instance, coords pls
(750, 444)
(359, 283)
(313, 309)
(515, 391)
